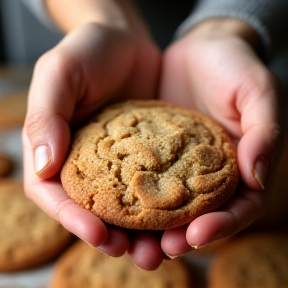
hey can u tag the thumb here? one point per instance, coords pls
(50, 107)
(262, 135)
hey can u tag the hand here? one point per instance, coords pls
(93, 65)
(214, 69)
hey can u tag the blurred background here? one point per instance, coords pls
(23, 39)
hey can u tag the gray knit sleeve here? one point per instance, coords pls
(268, 17)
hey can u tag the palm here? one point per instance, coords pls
(220, 79)
(117, 65)
(209, 78)
(90, 67)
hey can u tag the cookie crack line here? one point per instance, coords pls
(163, 166)
(160, 171)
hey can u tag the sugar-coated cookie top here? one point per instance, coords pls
(150, 165)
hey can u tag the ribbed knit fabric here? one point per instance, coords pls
(268, 17)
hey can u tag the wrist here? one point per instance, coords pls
(69, 15)
(224, 28)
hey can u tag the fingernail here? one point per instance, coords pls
(139, 268)
(198, 247)
(260, 171)
(91, 245)
(43, 158)
(171, 257)
(217, 237)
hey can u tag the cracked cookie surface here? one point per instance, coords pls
(150, 165)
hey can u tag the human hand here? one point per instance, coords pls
(214, 69)
(93, 65)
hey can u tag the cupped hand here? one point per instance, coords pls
(216, 71)
(91, 66)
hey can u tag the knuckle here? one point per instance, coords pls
(56, 60)
(35, 122)
(260, 82)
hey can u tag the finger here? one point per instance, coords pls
(117, 242)
(236, 215)
(174, 242)
(50, 196)
(262, 135)
(145, 250)
(74, 218)
(52, 98)
(84, 69)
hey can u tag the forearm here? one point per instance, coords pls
(122, 14)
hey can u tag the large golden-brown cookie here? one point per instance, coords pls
(28, 237)
(86, 267)
(6, 165)
(254, 261)
(150, 165)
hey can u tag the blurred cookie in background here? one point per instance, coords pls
(258, 260)
(211, 248)
(84, 266)
(13, 107)
(6, 165)
(28, 237)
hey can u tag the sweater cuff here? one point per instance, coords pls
(267, 17)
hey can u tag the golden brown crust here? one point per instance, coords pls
(28, 237)
(252, 261)
(86, 267)
(150, 165)
(6, 165)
